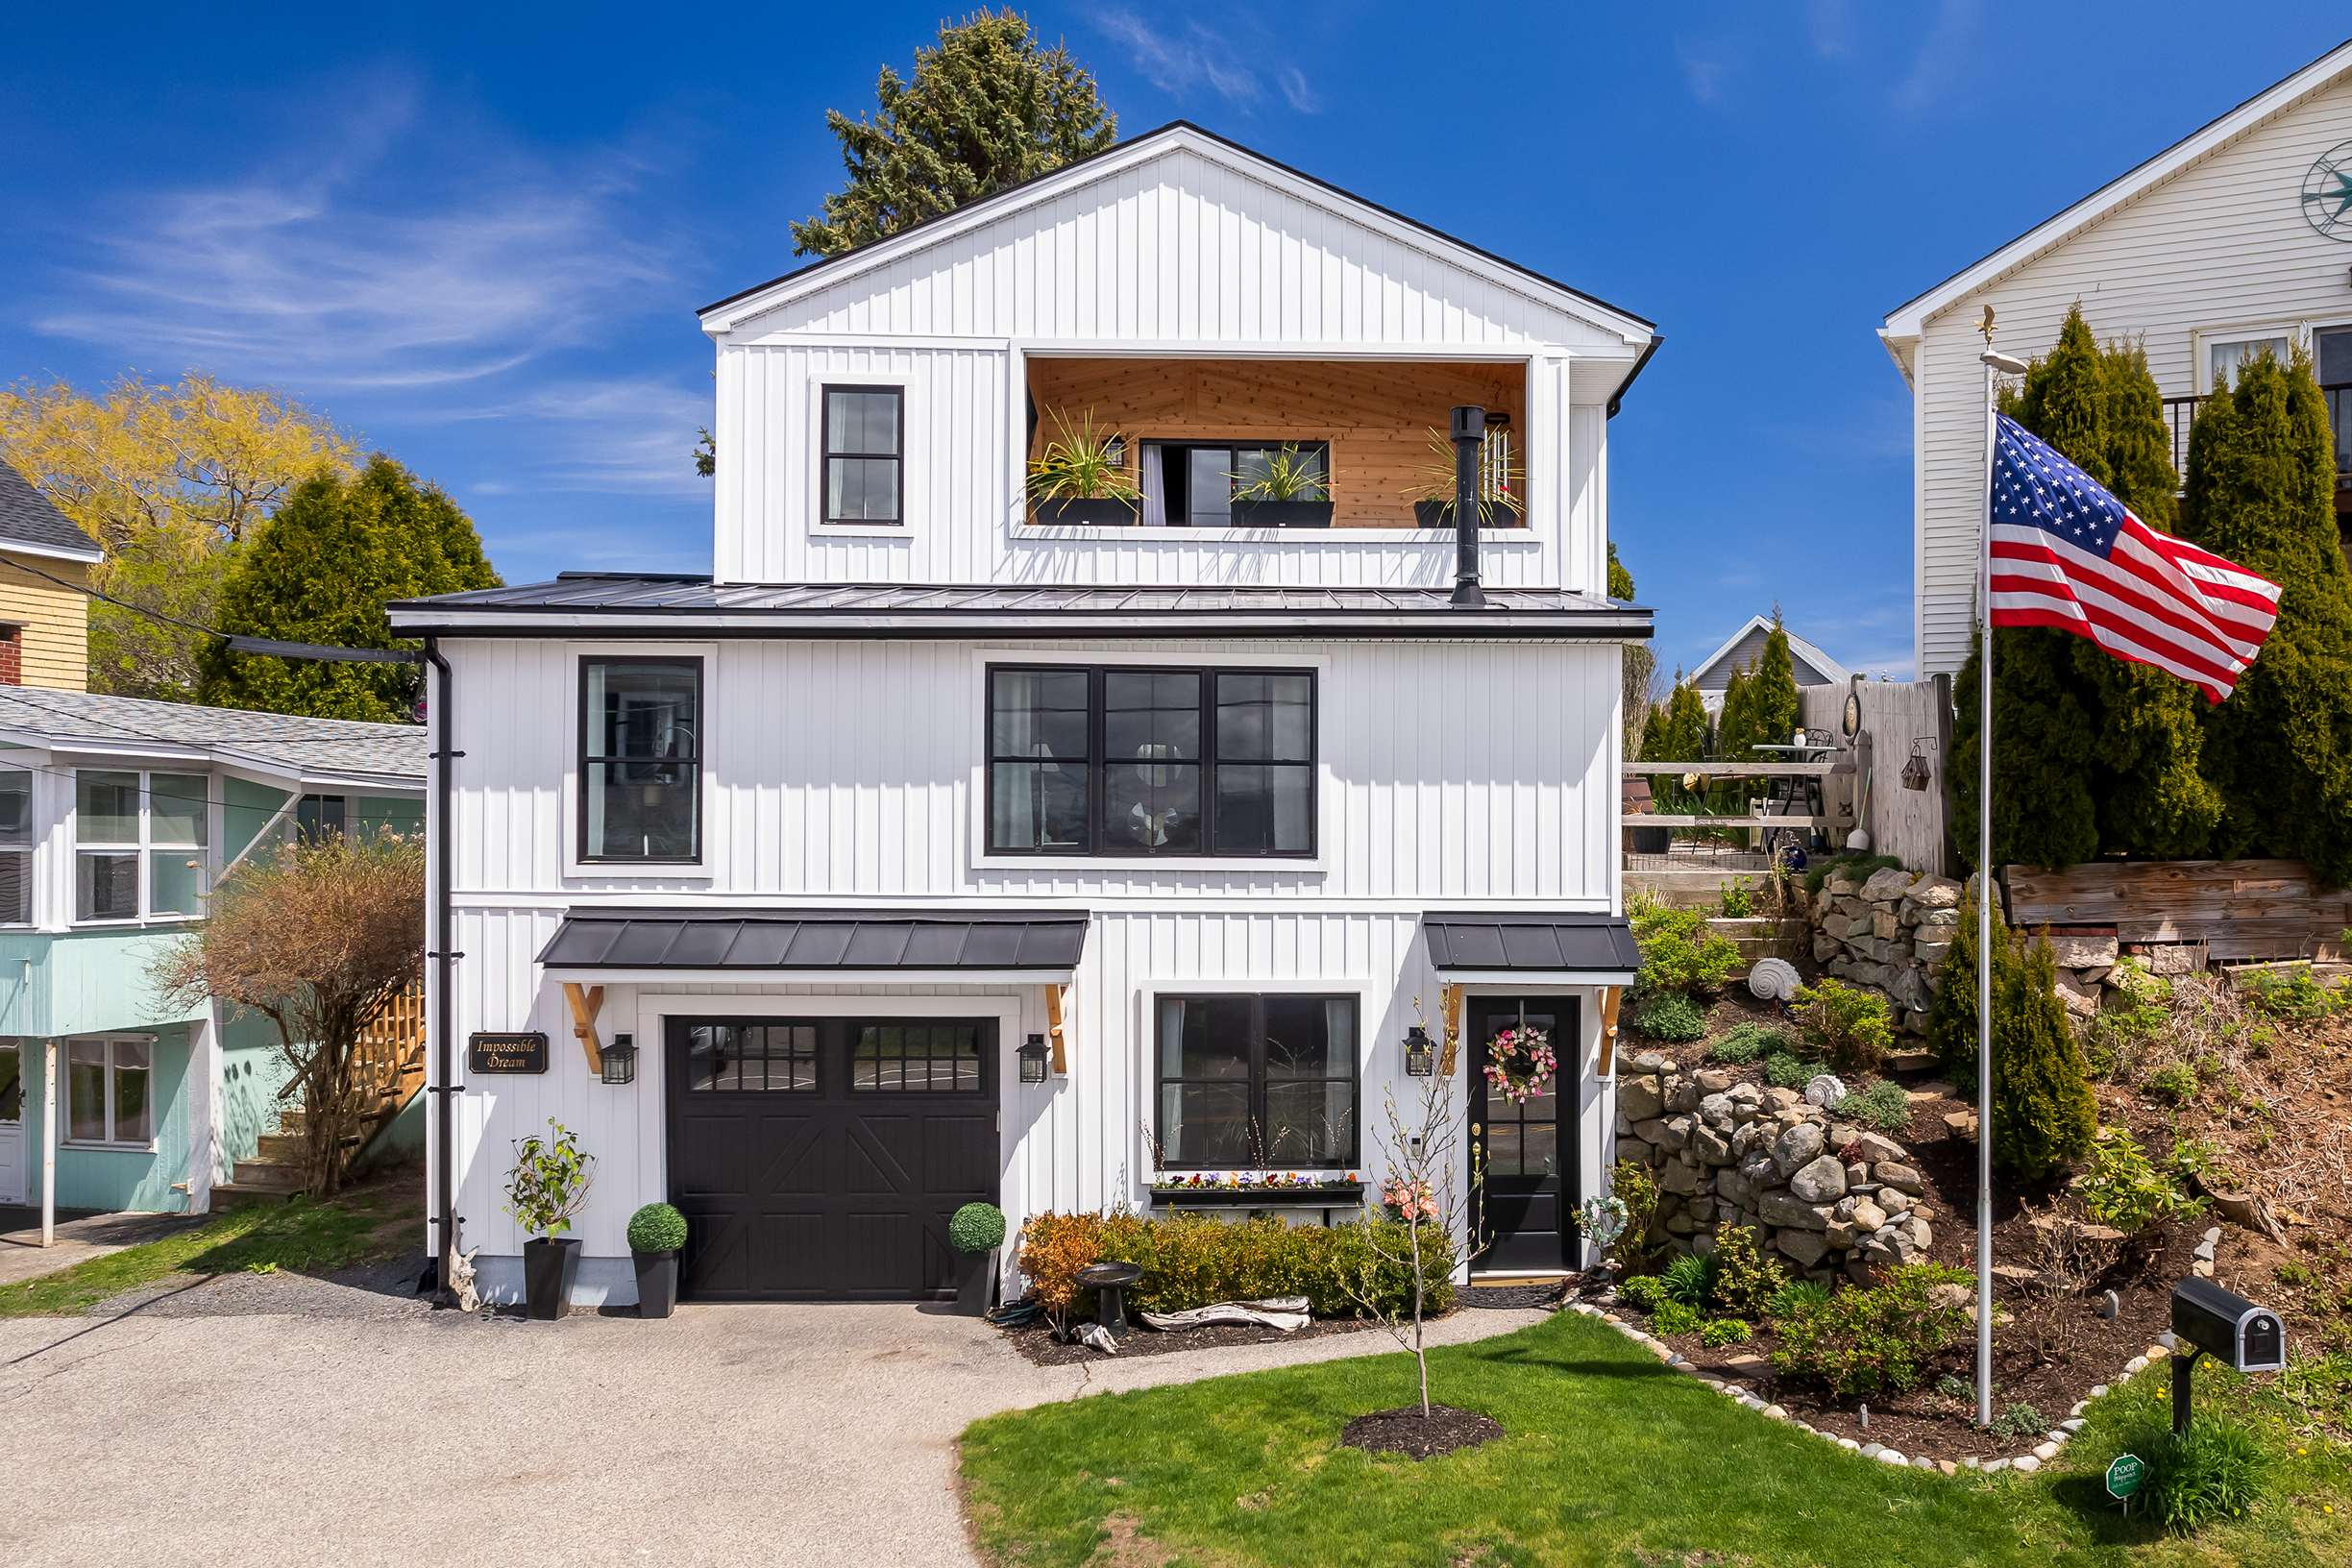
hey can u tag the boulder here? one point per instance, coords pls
(1758, 1170)
(1714, 1080)
(1717, 1112)
(1797, 1146)
(2081, 1000)
(1781, 1208)
(1888, 886)
(2080, 950)
(1675, 1132)
(1843, 1235)
(1733, 1188)
(1885, 926)
(1933, 892)
(1901, 1177)
(1639, 1098)
(1908, 989)
(1819, 1181)
(1825, 947)
(1782, 1100)
(1939, 919)
(1680, 1176)
(1804, 1248)
(1894, 1200)
(1651, 1061)
(1681, 1093)
(1653, 1131)
(1875, 1147)
(1709, 1146)
(2172, 959)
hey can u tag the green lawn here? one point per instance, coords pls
(1608, 1457)
(379, 1220)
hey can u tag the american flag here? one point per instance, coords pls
(2068, 555)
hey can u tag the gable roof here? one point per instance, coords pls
(1797, 646)
(31, 524)
(1908, 319)
(1135, 149)
(386, 756)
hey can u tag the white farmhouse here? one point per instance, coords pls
(941, 847)
(2236, 238)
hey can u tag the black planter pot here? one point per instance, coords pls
(657, 1275)
(1087, 511)
(976, 1283)
(1439, 514)
(1282, 514)
(550, 1265)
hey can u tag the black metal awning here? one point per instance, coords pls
(1048, 941)
(1512, 942)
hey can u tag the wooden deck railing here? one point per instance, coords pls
(392, 1048)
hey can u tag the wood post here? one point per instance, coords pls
(585, 1002)
(1054, 995)
(1610, 996)
(1449, 1012)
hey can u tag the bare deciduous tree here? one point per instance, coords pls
(319, 936)
(1422, 1191)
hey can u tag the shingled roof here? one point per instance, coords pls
(307, 748)
(29, 521)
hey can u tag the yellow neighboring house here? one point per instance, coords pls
(45, 623)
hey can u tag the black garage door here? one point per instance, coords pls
(819, 1159)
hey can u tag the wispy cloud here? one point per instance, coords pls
(1829, 26)
(1936, 68)
(634, 435)
(302, 273)
(1705, 72)
(1197, 57)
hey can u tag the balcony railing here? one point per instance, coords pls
(2181, 413)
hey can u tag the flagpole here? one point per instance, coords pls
(1996, 366)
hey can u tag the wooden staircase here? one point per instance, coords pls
(390, 1060)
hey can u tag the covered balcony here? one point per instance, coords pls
(1249, 442)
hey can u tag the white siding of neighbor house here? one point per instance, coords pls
(1470, 774)
(1176, 254)
(2219, 251)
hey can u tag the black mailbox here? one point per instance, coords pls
(2228, 1326)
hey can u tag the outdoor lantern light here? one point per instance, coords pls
(1033, 1059)
(1420, 1058)
(1914, 771)
(620, 1060)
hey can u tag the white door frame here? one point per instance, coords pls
(12, 1151)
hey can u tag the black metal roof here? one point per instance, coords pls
(27, 518)
(819, 939)
(1522, 941)
(672, 602)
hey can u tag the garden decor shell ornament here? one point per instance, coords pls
(1774, 979)
(1520, 1064)
(1824, 1090)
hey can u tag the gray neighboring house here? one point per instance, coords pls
(1745, 648)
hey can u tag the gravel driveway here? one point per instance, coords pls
(257, 1420)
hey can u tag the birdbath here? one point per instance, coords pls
(1108, 1280)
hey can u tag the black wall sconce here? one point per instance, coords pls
(1033, 1059)
(1420, 1055)
(620, 1060)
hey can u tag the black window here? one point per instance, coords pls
(640, 760)
(914, 1058)
(865, 449)
(1250, 1082)
(733, 1057)
(1142, 760)
(316, 816)
(1196, 480)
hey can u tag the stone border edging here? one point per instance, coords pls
(2027, 1463)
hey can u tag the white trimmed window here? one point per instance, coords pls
(15, 846)
(139, 844)
(108, 1092)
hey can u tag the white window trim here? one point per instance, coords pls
(2205, 339)
(30, 848)
(143, 850)
(700, 870)
(1059, 868)
(910, 463)
(110, 1142)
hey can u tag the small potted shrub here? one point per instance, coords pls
(655, 1235)
(545, 1188)
(975, 1230)
(1291, 492)
(1434, 489)
(1080, 477)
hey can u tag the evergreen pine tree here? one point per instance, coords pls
(1620, 581)
(1678, 729)
(2044, 1116)
(988, 108)
(1736, 717)
(1768, 710)
(2261, 484)
(1951, 1013)
(321, 570)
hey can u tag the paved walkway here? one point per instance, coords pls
(81, 1236)
(809, 1436)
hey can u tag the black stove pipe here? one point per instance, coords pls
(1469, 433)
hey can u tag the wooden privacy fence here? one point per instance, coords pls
(1899, 720)
(2238, 909)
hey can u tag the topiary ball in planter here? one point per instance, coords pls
(656, 1228)
(655, 1233)
(977, 1227)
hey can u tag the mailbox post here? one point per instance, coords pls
(2209, 1321)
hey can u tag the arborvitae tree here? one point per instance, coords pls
(1734, 720)
(1677, 730)
(2044, 1116)
(1767, 714)
(2261, 486)
(1951, 1015)
(321, 570)
(989, 107)
(1620, 581)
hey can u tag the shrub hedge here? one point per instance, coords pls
(1880, 1339)
(1194, 1259)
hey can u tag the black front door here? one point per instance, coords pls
(819, 1159)
(1526, 1152)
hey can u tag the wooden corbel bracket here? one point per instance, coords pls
(585, 1002)
(1055, 997)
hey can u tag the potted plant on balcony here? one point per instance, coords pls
(656, 1233)
(545, 1188)
(1433, 491)
(1080, 477)
(1291, 491)
(975, 1230)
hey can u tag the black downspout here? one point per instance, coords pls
(1469, 432)
(443, 715)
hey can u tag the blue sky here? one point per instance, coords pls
(477, 235)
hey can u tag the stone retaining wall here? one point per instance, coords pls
(1828, 1196)
(1888, 931)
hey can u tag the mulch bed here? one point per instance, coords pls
(1408, 1432)
(1036, 1340)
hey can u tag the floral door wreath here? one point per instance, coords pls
(1520, 1064)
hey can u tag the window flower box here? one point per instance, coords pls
(1255, 1189)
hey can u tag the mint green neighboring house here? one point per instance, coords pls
(117, 816)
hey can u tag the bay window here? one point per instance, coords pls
(141, 844)
(1144, 760)
(107, 1098)
(1256, 1082)
(640, 760)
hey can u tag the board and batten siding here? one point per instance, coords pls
(2219, 251)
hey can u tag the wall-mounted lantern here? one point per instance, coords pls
(620, 1060)
(1420, 1055)
(1915, 772)
(1033, 1059)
